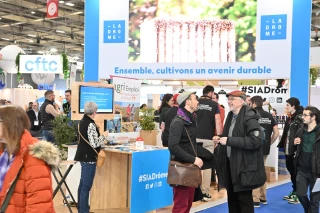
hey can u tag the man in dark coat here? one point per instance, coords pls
(239, 154)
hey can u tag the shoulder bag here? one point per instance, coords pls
(101, 156)
(184, 174)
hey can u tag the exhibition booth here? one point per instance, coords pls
(169, 48)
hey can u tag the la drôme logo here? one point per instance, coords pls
(114, 31)
(273, 27)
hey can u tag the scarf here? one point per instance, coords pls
(4, 166)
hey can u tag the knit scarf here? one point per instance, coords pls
(4, 166)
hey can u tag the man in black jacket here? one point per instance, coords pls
(35, 120)
(293, 123)
(183, 147)
(239, 152)
(307, 159)
(272, 133)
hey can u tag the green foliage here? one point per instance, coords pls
(17, 62)
(313, 75)
(65, 65)
(242, 12)
(62, 131)
(82, 73)
(1, 71)
(147, 119)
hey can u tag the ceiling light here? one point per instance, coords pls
(32, 35)
(60, 31)
(70, 4)
(30, 41)
(77, 13)
(53, 50)
(40, 52)
(32, 12)
(82, 44)
(76, 57)
(15, 41)
(0, 18)
(16, 23)
(61, 2)
(6, 39)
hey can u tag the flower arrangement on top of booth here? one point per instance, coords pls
(65, 66)
(18, 66)
(313, 75)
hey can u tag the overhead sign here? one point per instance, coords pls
(40, 64)
(52, 8)
(215, 45)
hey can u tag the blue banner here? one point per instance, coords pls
(149, 188)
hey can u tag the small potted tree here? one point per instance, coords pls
(148, 127)
(64, 132)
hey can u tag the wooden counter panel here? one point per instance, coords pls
(111, 183)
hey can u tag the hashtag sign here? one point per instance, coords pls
(244, 89)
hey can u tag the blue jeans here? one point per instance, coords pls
(47, 135)
(88, 171)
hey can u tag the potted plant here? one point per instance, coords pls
(148, 128)
(64, 132)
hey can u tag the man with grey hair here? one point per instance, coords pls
(49, 110)
(240, 165)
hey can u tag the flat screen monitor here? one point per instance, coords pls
(102, 96)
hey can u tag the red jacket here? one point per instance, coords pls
(33, 191)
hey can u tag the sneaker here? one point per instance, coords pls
(288, 197)
(294, 200)
(256, 204)
(264, 202)
(206, 197)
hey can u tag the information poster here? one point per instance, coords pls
(127, 100)
(149, 188)
(207, 39)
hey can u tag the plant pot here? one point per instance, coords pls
(149, 137)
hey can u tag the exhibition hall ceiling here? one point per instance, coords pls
(24, 23)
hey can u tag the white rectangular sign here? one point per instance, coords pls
(40, 64)
(223, 44)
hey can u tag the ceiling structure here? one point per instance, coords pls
(24, 23)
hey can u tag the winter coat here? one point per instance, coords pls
(33, 191)
(315, 152)
(246, 161)
(292, 125)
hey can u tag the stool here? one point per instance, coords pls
(70, 164)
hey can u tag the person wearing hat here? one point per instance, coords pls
(168, 117)
(239, 152)
(183, 126)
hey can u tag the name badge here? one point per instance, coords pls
(36, 123)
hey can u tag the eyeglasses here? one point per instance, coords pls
(233, 98)
(304, 115)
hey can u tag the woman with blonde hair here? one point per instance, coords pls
(26, 164)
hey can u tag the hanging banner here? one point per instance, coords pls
(40, 64)
(276, 97)
(127, 98)
(151, 40)
(72, 77)
(52, 8)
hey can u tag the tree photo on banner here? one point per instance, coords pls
(195, 39)
(126, 102)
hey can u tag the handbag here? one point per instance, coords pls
(101, 156)
(184, 174)
(9, 194)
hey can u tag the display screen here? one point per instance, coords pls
(102, 96)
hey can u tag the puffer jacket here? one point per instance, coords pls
(246, 161)
(33, 191)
